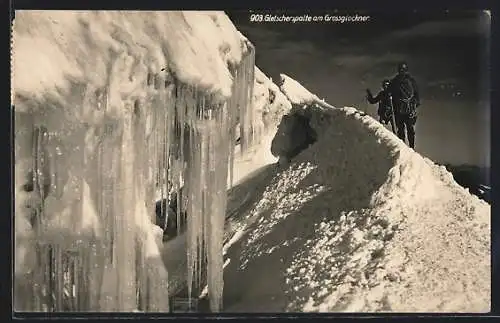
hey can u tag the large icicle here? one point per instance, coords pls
(211, 141)
(209, 144)
(232, 113)
(245, 89)
(151, 276)
(204, 194)
(250, 87)
(240, 111)
(218, 169)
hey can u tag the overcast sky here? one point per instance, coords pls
(446, 51)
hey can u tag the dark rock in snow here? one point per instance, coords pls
(294, 135)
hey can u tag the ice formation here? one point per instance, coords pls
(113, 107)
(242, 98)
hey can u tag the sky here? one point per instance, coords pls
(447, 53)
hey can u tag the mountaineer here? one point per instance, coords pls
(383, 98)
(405, 99)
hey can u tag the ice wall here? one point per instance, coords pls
(104, 101)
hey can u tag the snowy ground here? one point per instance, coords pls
(359, 222)
(257, 157)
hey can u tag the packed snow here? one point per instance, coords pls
(359, 222)
(76, 47)
(295, 92)
(298, 95)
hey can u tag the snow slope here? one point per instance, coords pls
(299, 95)
(359, 223)
(295, 92)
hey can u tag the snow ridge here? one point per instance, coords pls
(300, 96)
(389, 231)
(296, 93)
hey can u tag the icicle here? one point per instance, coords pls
(109, 154)
(159, 114)
(246, 109)
(146, 183)
(125, 220)
(78, 280)
(196, 187)
(152, 162)
(194, 193)
(211, 146)
(245, 89)
(56, 260)
(216, 215)
(164, 166)
(190, 210)
(182, 120)
(84, 284)
(244, 122)
(140, 167)
(38, 280)
(170, 138)
(211, 183)
(79, 174)
(233, 107)
(206, 193)
(152, 277)
(180, 110)
(250, 87)
(77, 171)
(242, 106)
(88, 248)
(203, 187)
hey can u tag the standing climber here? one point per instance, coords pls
(406, 100)
(383, 98)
